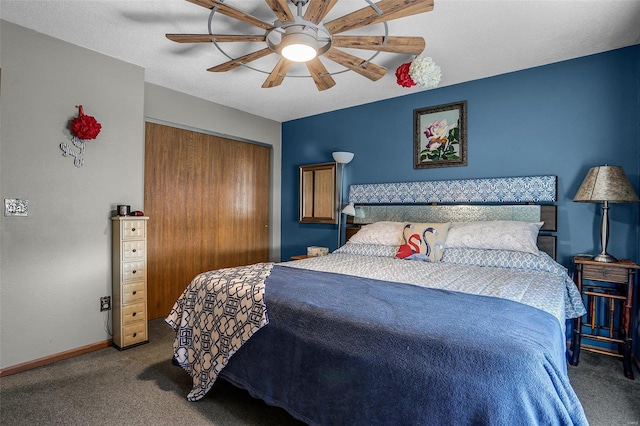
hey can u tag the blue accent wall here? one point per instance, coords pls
(559, 119)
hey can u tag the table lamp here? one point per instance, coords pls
(606, 184)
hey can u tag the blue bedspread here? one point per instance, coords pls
(346, 350)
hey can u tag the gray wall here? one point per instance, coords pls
(56, 263)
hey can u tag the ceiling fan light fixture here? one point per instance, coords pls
(303, 36)
(298, 45)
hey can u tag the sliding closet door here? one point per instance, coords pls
(207, 199)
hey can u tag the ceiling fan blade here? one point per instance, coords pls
(413, 45)
(320, 74)
(235, 63)
(318, 9)
(233, 13)
(391, 9)
(277, 74)
(281, 9)
(208, 38)
(370, 70)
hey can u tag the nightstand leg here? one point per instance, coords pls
(627, 320)
(626, 360)
(575, 341)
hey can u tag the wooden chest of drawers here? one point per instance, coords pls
(129, 281)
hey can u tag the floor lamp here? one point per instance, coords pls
(341, 158)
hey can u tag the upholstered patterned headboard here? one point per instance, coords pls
(526, 189)
(526, 199)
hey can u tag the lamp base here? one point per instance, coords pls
(605, 257)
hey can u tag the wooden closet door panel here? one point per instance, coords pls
(257, 213)
(207, 198)
(166, 177)
(244, 198)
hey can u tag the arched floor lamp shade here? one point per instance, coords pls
(342, 158)
(606, 184)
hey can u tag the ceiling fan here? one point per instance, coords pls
(304, 37)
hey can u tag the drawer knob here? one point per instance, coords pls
(134, 314)
(134, 250)
(133, 229)
(134, 271)
(134, 293)
(135, 334)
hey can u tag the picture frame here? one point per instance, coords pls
(440, 136)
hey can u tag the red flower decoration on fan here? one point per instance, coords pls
(403, 77)
(85, 126)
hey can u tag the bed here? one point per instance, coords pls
(385, 332)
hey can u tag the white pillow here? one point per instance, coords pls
(384, 233)
(376, 250)
(495, 235)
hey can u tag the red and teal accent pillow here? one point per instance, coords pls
(423, 241)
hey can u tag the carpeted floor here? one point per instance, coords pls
(608, 398)
(139, 386)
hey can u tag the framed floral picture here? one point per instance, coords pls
(440, 136)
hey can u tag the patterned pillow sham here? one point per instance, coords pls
(495, 235)
(423, 241)
(503, 259)
(376, 250)
(383, 233)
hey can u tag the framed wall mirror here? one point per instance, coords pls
(318, 193)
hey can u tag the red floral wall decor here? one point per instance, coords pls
(85, 126)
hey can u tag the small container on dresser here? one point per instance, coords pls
(129, 281)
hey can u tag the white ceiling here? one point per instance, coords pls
(469, 39)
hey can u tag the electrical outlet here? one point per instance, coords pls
(105, 303)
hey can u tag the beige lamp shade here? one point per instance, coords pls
(606, 183)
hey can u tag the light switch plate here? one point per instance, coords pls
(16, 207)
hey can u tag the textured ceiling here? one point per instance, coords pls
(469, 40)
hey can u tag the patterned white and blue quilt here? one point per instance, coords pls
(535, 280)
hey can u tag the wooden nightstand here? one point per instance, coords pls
(299, 257)
(609, 303)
